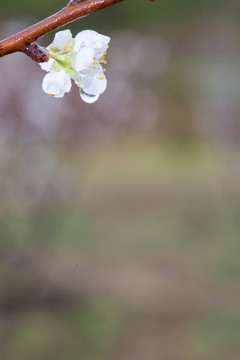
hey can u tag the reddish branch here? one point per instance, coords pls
(25, 40)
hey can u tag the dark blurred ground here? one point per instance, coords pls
(119, 221)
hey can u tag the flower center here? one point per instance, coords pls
(98, 62)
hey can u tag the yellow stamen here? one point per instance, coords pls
(52, 94)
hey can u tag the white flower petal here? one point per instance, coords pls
(95, 83)
(61, 38)
(91, 38)
(57, 83)
(88, 98)
(84, 58)
(47, 65)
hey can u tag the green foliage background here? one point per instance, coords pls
(130, 13)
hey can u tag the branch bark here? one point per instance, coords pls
(25, 40)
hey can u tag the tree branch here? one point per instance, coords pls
(25, 40)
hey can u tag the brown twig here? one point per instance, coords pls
(25, 40)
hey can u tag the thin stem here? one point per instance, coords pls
(23, 40)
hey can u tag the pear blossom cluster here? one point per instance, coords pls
(81, 59)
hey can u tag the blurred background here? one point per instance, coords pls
(120, 221)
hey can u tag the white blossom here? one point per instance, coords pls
(91, 50)
(80, 59)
